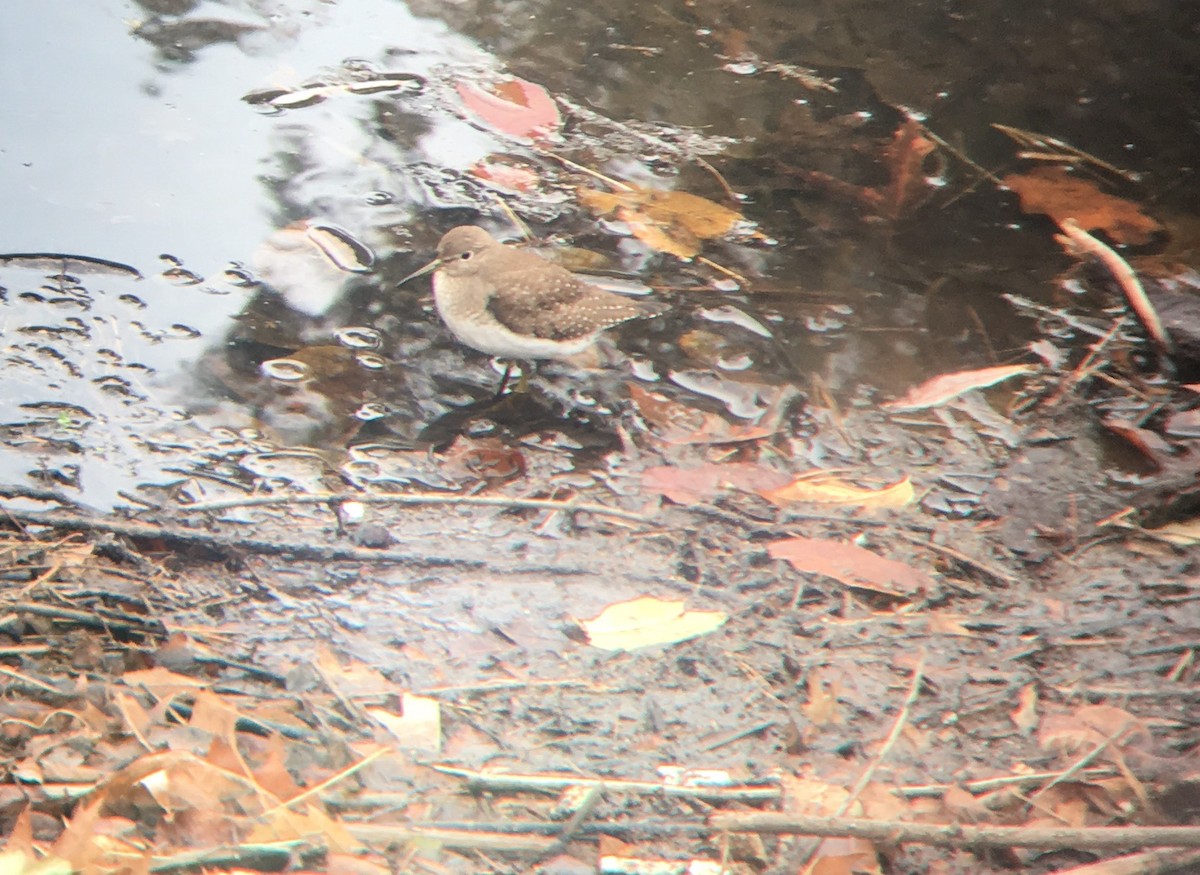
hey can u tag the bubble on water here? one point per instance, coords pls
(371, 361)
(359, 337)
(284, 370)
(371, 410)
(342, 248)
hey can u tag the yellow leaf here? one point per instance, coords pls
(661, 238)
(1184, 533)
(825, 489)
(419, 727)
(668, 221)
(646, 621)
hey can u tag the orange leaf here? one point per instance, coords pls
(514, 107)
(852, 566)
(1061, 195)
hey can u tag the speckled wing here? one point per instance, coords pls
(556, 305)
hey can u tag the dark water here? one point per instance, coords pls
(126, 138)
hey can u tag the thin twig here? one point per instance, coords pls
(1046, 145)
(729, 192)
(507, 782)
(224, 544)
(959, 835)
(420, 498)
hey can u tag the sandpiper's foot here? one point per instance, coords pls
(522, 386)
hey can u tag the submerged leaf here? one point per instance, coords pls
(514, 107)
(675, 222)
(1061, 196)
(946, 387)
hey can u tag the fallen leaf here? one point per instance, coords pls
(945, 623)
(823, 488)
(505, 173)
(947, 387)
(418, 728)
(1185, 533)
(821, 709)
(514, 107)
(1061, 195)
(26, 863)
(851, 565)
(1090, 726)
(909, 185)
(646, 621)
(675, 222)
(677, 423)
(1025, 717)
(672, 239)
(486, 458)
(688, 485)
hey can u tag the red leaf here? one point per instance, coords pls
(514, 107)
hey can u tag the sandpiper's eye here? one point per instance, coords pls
(465, 256)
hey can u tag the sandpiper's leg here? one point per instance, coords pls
(523, 383)
(508, 366)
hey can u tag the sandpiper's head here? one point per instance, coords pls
(459, 250)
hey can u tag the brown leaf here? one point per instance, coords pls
(487, 458)
(273, 775)
(1061, 196)
(909, 185)
(821, 709)
(677, 423)
(213, 714)
(852, 566)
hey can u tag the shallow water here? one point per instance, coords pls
(142, 151)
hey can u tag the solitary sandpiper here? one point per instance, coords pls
(516, 305)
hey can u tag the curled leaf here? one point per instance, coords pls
(514, 107)
(947, 387)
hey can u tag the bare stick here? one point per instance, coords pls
(419, 498)
(1080, 240)
(957, 835)
(502, 782)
